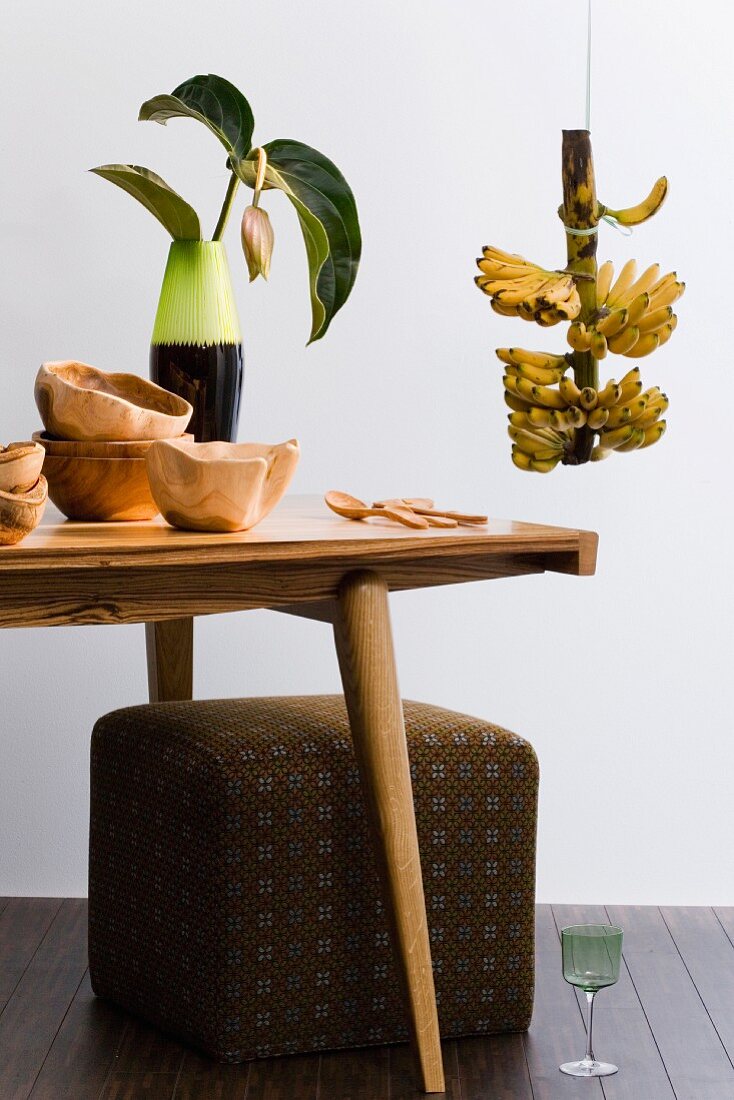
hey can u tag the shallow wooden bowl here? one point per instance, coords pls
(85, 448)
(77, 401)
(20, 466)
(219, 486)
(21, 512)
(99, 489)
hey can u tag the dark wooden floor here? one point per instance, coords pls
(669, 1025)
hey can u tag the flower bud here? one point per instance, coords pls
(257, 241)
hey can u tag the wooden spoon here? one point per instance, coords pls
(423, 506)
(352, 508)
(433, 520)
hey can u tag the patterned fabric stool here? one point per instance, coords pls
(233, 898)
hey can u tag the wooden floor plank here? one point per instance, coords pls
(143, 1086)
(725, 916)
(23, 924)
(403, 1077)
(493, 1065)
(709, 958)
(354, 1074)
(36, 1009)
(81, 1054)
(622, 1033)
(557, 1031)
(694, 1057)
(284, 1078)
(202, 1079)
(144, 1051)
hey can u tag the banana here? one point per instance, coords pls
(655, 319)
(610, 440)
(625, 279)
(572, 417)
(609, 395)
(635, 215)
(521, 460)
(569, 391)
(613, 323)
(636, 440)
(597, 418)
(516, 403)
(491, 252)
(578, 337)
(604, 277)
(598, 454)
(648, 278)
(588, 398)
(638, 408)
(638, 307)
(631, 387)
(667, 331)
(520, 420)
(539, 418)
(632, 375)
(624, 341)
(653, 433)
(644, 345)
(534, 358)
(534, 445)
(542, 376)
(544, 395)
(598, 344)
(666, 294)
(653, 412)
(619, 415)
(504, 311)
(544, 467)
(513, 294)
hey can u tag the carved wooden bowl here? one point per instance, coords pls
(219, 486)
(99, 489)
(21, 512)
(85, 448)
(20, 466)
(79, 402)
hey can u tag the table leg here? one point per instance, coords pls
(170, 648)
(367, 663)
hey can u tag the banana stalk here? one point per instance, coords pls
(580, 210)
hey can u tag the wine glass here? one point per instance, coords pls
(592, 954)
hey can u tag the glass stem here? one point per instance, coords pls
(589, 1025)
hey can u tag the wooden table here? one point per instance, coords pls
(302, 560)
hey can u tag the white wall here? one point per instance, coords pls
(446, 119)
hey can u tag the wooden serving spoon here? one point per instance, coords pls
(352, 508)
(434, 520)
(423, 506)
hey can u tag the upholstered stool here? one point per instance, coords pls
(233, 898)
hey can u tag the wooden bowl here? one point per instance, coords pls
(20, 466)
(219, 486)
(85, 448)
(21, 512)
(77, 401)
(99, 489)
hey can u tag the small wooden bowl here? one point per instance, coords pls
(21, 512)
(78, 402)
(20, 466)
(85, 448)
(219, 486)
(99, 489)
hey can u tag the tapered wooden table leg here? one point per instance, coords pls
(170, 649)
(367, 663)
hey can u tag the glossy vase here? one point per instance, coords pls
(196, 349)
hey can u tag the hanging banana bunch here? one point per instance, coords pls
(560, 412)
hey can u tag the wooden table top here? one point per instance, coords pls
(300, 529)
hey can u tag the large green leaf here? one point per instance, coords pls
(328, 215)
(213, 101)
(173, 212)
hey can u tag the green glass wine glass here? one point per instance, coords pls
(592, 954)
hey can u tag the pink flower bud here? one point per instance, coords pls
(257, 241)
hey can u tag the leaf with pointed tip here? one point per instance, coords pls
(172, 211)
(213, 101)
(328, 215)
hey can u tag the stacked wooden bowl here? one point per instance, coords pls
(23, 490)
(98, 429)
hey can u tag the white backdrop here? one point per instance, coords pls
(445, 115)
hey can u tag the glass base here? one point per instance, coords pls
(587, 1068)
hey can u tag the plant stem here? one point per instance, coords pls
(226, 207)
(580, 210)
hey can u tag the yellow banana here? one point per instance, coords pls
(539, 418)
(534, 358)
(638, 307)
(667, 331)
(667, 294)
(624, 341)
(563, 419)
(632, 375)
(644, 345)
(544, 395)
(609, 395)
(504, 311)
(655, 319)
(578, 337)
(619, 415)
(648, 278)
(597, 418)
(654, 433)
(638, 408)
(542, 376)
(634, 215)
(598, 344)
(520, 420)
(624, 281)
(544, 467)
(604, 278)
(635, 441)
(569, 391)
(652, 413)
(613, 323)
(588, 398)
(532, 444)
(610, 440)
(521, 460)
(598, 454)
(516, 403)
